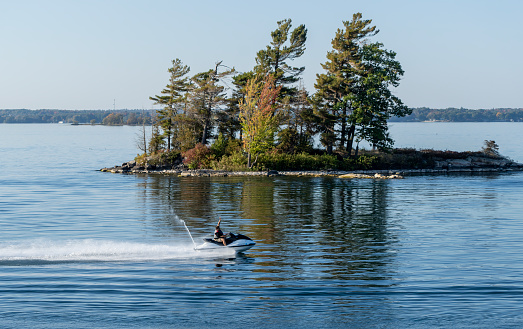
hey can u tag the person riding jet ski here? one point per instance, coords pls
(218, 234)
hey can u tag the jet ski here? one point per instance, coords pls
(238, 242)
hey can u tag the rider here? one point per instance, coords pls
(218, 234)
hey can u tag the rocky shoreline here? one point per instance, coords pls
(472, 164)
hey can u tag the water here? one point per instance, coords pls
(83, 249)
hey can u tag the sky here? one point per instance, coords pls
(104, 54)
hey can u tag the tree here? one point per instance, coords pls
(207, 97)
(491, 148)
(257, 118)
(373, 101)
(342, 68)
(156, 142)
(353, 98)
(141, 136)
(228, 120)
(172, 98)
(113, 119)
(282, 49)
(299, 125)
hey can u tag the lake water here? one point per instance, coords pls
(84, 249)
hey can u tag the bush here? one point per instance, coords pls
(159, 159)
(141, 159)
(198, 157)
(225, 146)
(219, 146)
(237, 161)
(301, 161)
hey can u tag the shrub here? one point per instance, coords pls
(301, 161)
(141, 159)
(219, 146)
(236, 161)
(198, 157)
(160, 158)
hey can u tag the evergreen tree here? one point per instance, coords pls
(207, 97)
(373, 101)
(228, 120)
(282, 49)
(353, 98)
(342, 69)
(172, 98)
(299, 125)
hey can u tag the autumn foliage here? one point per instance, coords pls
(258, 116)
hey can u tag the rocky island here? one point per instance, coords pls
(400, 163)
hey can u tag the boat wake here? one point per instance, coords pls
(91, 250)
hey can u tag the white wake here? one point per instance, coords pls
(90, 250)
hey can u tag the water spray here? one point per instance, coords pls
(183, 222)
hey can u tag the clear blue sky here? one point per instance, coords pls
(84, 54)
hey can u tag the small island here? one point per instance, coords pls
(264, 122)
(380, 165)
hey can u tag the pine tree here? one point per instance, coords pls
(172, 98)
(353, 98)
(275, 58)
(207, 97)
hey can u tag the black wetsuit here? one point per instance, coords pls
(218, 234)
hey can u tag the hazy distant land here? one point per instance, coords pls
(136, 116)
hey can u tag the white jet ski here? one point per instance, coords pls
(238, 242)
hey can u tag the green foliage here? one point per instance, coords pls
(219, 146)
(159, 159)
(207, 98)
(172, 98)
(274, 60)
(157, 140)
(141, 159)
(353, 100)
(235, 161)
(257, 116)
(290, 141)
(305, 161)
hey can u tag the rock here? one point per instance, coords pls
(458, 163)
(273, 173)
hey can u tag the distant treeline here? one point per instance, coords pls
(105, 117)
(135, 117)
(462, 115)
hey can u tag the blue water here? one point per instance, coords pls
(85, 249)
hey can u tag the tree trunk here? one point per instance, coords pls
(169, 135)
(205, 132)
(144, 136)
(343, 131)
(350, 139)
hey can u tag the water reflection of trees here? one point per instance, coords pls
(331, 227)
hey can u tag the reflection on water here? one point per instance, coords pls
(317, 228)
